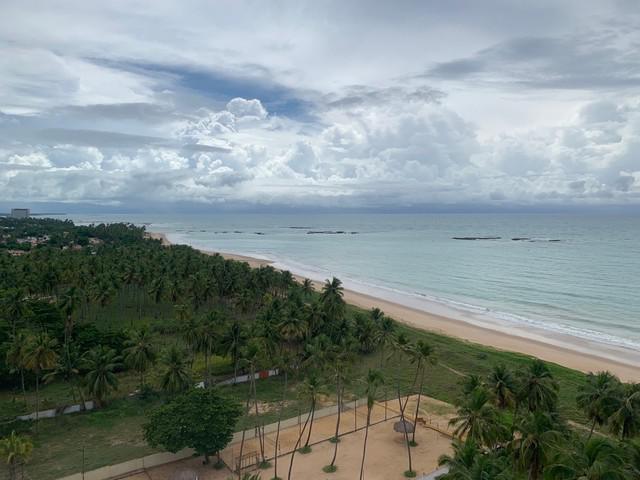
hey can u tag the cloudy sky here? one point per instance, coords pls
(339, 104)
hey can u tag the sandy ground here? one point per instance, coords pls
(386, 456)
(577, 359)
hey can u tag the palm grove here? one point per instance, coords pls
(92, 306)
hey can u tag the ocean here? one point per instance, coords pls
(560, 275)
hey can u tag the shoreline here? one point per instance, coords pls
(575, 358)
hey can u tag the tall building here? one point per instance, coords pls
(20, 212)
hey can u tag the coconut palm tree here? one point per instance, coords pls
(68, 369)
(332, 300)
(15, 451)
(101, 363)
(205, 337)
(502, 386)
(384, 335)
(471, 463)
(176, 377)
(477, 419)
(140, 353)
(16, 357)
(625, 421)
(310, 389)
(374, 380)
(538, 389)
(14, 306)
(40, 357)
(535, 442)
(69, 303)
(307, 287)
(232, 341)
(422, 354)
(340, 357)
(599, 397)
(595, 459)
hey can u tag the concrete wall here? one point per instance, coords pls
(53, 412)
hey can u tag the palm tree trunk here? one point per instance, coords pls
(364, 449)
(415, 418)
(336, 436)
(313, 411)
(37, 399)
(244, 431)
(297, 445)
(406, 434)
(593, 426)
(24, 390)
(275, 457)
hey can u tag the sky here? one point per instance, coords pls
(320, 104)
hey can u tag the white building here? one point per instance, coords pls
(20, 212)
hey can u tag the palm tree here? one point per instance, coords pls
(470, 463)
(502, 386)
(15, 451)
(16, 357)
(310, 389)
(39, 357)
(625, 421)
(536, 441)
(374, 380)
(331, 299)
(68, 305)
(101, 363)
(477, 419)
(232, 341)
(599, 397)
(140, 353)
(307, 287)
(68, 369)
(14, 307)
(384, 335)
(176, 377)
(339, 361)
(422, 354)
(205, 337)
(538, 390)
(596, 459)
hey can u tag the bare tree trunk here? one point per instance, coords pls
(313, 411)
(415, 418)
(275, 457)
(406, 434)
(364, 449)
(244, 431)
(297, 445)
(37, 399)
(336, 436)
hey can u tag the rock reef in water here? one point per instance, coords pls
(476, 238)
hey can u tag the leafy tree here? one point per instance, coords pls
(201, 419)
(101, 363)
(15, 451)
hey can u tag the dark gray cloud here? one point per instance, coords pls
(592, 60)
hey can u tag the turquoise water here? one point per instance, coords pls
(587, 284)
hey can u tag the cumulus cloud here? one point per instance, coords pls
(540, 105)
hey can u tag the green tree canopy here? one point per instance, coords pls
(201, 419)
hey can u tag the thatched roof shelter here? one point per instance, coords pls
(403, 426)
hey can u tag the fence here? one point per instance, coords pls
(250, 458)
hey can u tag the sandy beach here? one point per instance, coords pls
(576, 358)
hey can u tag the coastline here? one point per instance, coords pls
(576, 355)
